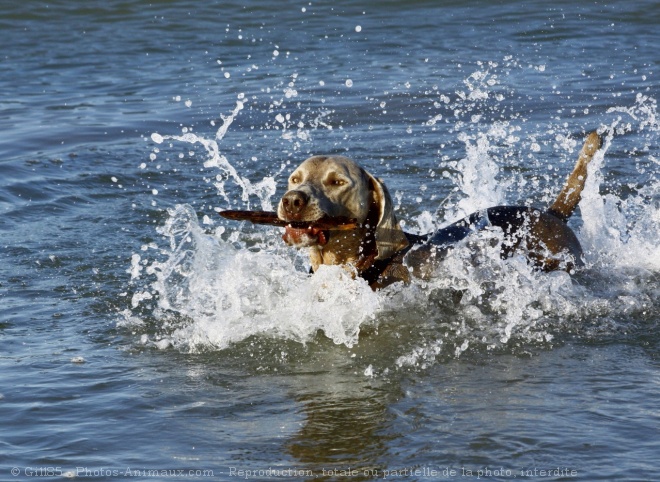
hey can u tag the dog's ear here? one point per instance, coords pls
(389, 236)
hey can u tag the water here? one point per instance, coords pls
(142, 335)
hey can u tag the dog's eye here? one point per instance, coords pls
(336, 182)
(294, 180)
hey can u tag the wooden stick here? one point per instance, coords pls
(267, 217)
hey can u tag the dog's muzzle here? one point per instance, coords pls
(294, 206)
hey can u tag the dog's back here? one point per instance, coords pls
(542, 235)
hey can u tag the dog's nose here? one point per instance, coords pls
(294, 202)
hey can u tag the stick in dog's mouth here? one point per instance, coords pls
(325, 223)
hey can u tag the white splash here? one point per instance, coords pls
(623, 232)
(221, 293)
(263, 189)
(478, 178)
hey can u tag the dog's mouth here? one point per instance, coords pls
(315, 232)
(305, 236)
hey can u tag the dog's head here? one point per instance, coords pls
(334, 186)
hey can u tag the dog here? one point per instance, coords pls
(378, 250)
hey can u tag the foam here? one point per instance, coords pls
(222, 293)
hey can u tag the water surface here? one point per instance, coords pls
(143, 336)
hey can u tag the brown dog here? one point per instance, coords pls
(335, 186)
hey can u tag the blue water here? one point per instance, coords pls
(143, 336)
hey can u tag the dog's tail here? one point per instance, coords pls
(569, 197)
